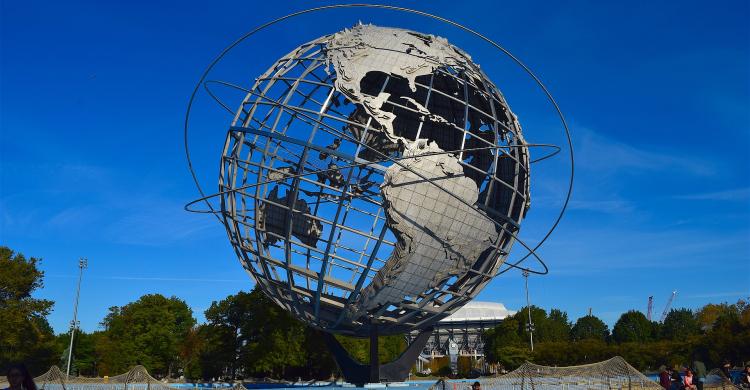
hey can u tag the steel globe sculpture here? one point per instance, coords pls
(375, 174)
(373, 181)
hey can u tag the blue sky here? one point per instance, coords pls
(93, 97)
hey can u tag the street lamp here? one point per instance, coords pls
(82, 263)
(530, 325)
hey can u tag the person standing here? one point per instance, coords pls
(664, 377)
(688, 380)
(726, 375)
(745, 377)
(676, 381)
(699, 370)
(19, 378)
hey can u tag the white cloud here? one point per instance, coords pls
(728, 195)
(613, 206)
(586, 251)
(737, 294)
(152, 279)
(598, 153)
(74, 216)
(102, 202)
(153, 222)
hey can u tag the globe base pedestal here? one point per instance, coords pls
(394, 371)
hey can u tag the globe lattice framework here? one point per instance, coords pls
(375, 175)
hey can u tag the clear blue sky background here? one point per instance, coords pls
(658, 96)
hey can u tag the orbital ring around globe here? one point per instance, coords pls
(447, 207)
(555, 149)
(354, 164)
(552, 100)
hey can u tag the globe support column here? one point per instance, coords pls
(374, 358)
(394, 371)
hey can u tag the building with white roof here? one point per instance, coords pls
(480, 311)
(465, 328)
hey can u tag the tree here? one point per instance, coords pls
(538, 318)
(556, 327)
(589, 327)
(190, 353)
(504, 334)
(85, 359)
(280, 346)
(503, 342)
(552, 327)
(729, 336)
(248, 334)
(25, 334)
(632, 326)
(213, 359)
(320, 363)
(562, 353)
(149, 331)
(707, 315)
(227, 334)
(679, 324)
(275, 339)
(510, 357)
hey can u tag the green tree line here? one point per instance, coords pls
(712, 334)
(247, 335)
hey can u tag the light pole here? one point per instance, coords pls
(530, 325)
(82, 263)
